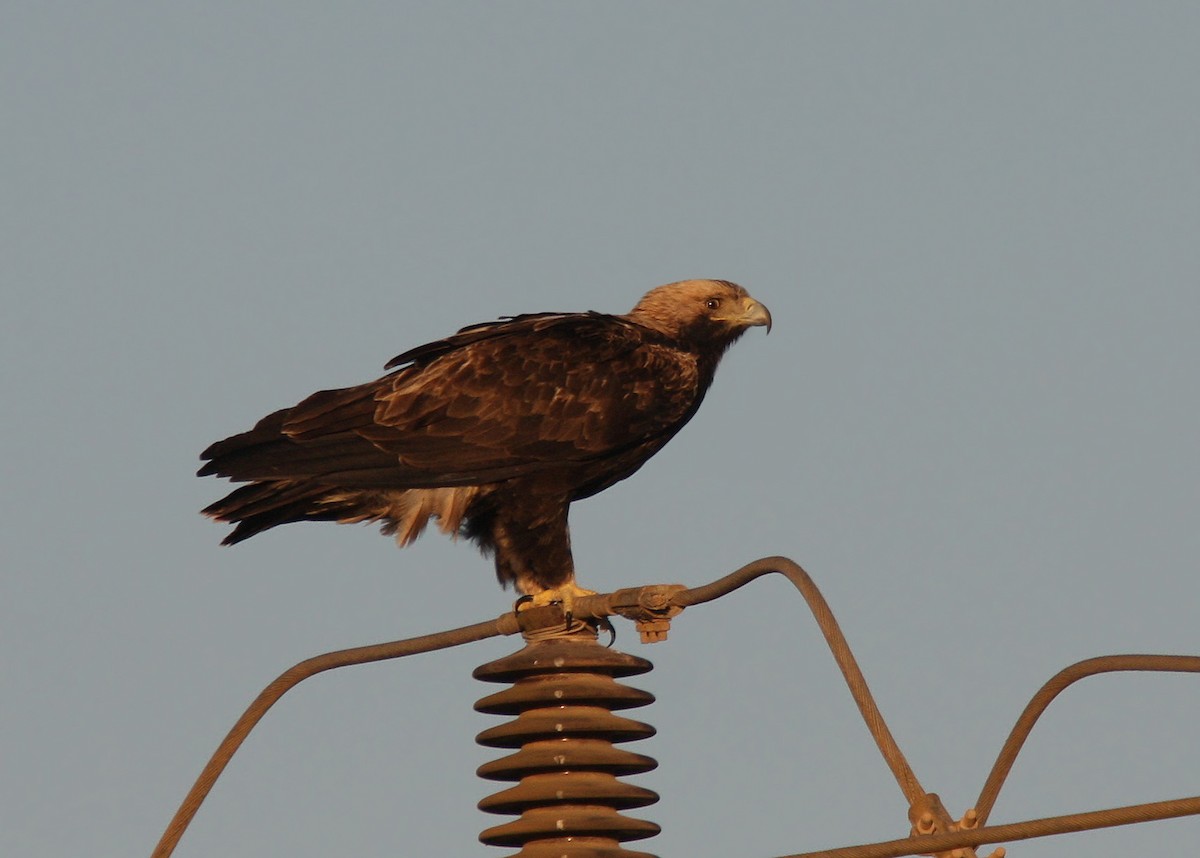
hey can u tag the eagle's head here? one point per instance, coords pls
(701, 312)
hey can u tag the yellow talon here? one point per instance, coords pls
(564, 595)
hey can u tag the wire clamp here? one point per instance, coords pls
(650, 608)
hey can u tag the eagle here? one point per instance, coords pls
(492, 432)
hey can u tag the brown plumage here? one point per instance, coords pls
(493, 431)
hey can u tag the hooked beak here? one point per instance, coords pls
(755, 314)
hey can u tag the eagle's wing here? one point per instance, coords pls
(492, 402)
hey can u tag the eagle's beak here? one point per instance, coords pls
(755, 314)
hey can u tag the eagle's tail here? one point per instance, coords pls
(263, 505)
(308, 464)
(283, 476)
(403, 512)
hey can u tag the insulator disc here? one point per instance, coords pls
(568, 821)
(568, 788)
(577, 722)
(580, 689)
(559, 755)
(549, 656)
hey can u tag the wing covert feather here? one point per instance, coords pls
(553, 390)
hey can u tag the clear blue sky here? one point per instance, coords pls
(975, 422)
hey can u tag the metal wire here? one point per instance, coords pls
(1057, 684)
(942, 843)
(855, 680)
(504, 625)
(653, 606)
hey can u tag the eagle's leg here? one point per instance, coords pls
(534, 553)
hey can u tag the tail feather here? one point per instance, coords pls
(332, 459)
(405, 513)
(318, 462)
(265, 431)
(261, 506)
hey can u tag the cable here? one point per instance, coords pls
(1058, 683)
(504, 625)
(655, 605)
(855, 680)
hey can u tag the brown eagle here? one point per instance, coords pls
(493, 431)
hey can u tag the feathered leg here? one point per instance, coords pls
(533, 552)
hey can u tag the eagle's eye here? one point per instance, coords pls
(712, 303)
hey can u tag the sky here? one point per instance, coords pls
(974, 423)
